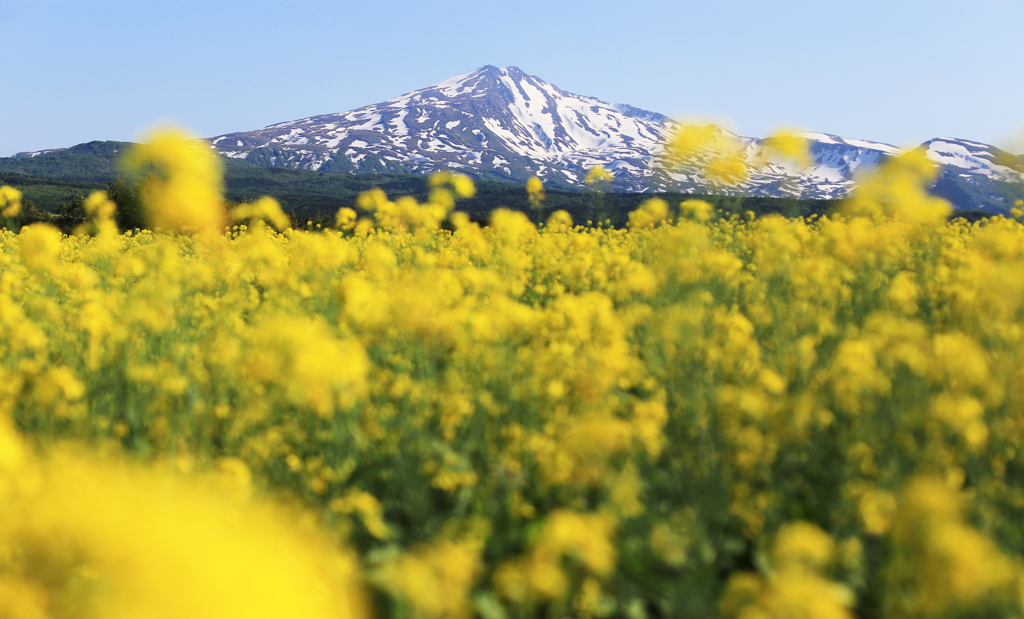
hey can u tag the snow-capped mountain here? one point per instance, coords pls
(503, 124)
(976, 175)
(836, 164)
(492, 123)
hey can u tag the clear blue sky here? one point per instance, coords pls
(895, 71)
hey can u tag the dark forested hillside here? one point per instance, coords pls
(52, 180)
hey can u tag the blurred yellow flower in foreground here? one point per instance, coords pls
(796, 587)
(786, 145)
(265, 209)
(40, 245)
(100, 211)
(942, 564)
(10, 201)
(899, 188)
(598, 176)
(709, 147)
(102, 538)
(535, 193)
(649, 214)
(699, 210)
(184, 186)
(690, 140)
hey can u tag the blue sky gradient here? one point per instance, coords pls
(897, 72)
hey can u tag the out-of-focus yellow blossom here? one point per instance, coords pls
(98, 538)
(898, 188)
(963, 413)
(535, 193)
(802, 545)
(649, 419)
(584, 536)
(40, 245)
(962, 364)
(903, 293)
(679, 537)
(538, 576)
(235, 477)
(372, 200)
(691, 140)
(435, 580)
(649, 214)
(716, 152)
(99, 207)
(741, 592)
(511, 225)
(446, 187)
(265, 209)
(801, 595)
(559, 221)
(16, 473)
(876, 510)
(100, 211)
(461, 184)
(942, 565)
(314, 368)
(597, 176)
(367, 507)
(699, 210)
(345, 218)
(856, 375)
(591, 602)
(787, 145)
(405, 213)
(183, 189)
(10, 201)
(795, 587)
(1018, 209)
(626, 493)
(727, 170)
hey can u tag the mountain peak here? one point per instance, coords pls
(502, 120)
(490, 68)
(504, 124)
(486, 79)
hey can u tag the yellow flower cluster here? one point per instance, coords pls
(795, 588)
(183, 185)
(724, 160)
(264, 209)
(88, 536)
(757, 417)
(535, 190)
(943, 565)
(898, 188)
(540, 576)
(10, 201)
(598, 176)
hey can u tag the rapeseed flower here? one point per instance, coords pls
(184, 185)
(10, 201)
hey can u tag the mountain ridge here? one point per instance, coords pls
(502, 124)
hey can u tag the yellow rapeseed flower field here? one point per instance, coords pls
(415, 416)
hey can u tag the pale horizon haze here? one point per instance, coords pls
(894, 72)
